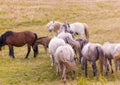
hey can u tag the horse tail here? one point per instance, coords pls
(101, 56)
(35, 47)
(68, 64)
(86, 31)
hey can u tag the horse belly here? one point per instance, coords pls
(17, 42)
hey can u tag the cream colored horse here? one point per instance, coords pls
(54, 43)
(64, 58)
(111, 51)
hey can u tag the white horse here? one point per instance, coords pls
(53, 45)
(74, 28)
(64, 58)
(110, 50)
(68, 38)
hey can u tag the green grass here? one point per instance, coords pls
(102, 17)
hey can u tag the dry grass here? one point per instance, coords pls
(102, 16)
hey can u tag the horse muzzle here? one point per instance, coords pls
(50, 30)
(82, 67)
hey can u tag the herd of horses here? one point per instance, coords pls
(65, 49)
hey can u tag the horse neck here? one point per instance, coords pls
(56, 27)
(4, 36)
(83, 44)
(71, 42)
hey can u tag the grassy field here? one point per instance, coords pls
(102, 17)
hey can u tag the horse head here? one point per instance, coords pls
(3, 38)
(51, 26)
(65, 27)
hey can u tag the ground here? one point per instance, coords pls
(102, 17)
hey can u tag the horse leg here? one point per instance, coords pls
(73, 75)
(110, 62)
(11, 51)
(106, 65)
(94, 69)
(58, 69)
(52, 60)
(64, 74)
(29, 49)
(115, 62)
(86, 74)
(35, 50)
(119, 64)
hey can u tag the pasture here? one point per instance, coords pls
(102, 17)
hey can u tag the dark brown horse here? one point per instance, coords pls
(19, 39)
(43, 41)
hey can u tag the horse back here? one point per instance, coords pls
(21, 38)
(43, 40)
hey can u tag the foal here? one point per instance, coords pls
(43, 41)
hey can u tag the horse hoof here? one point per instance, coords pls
(25, 58)
(106, 73)
(73, 78)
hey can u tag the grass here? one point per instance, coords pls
(102, 17)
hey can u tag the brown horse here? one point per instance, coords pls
(19, 39)
(43, 41)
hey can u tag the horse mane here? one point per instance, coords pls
(82, 42)
(4, 36)
(71, 41)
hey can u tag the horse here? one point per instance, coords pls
(64, 58)
(76, 28)
(19, 39)
(54, 43)
(91, 52)
(54, 25)
(43, 41)
(68, 38)
(110, 50)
